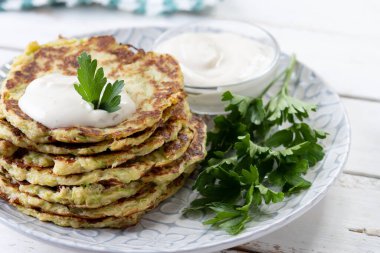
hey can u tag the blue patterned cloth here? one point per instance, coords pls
(150, 7)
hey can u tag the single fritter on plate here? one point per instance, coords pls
(174, 115)
(105, 222)
(92, 177)
(155, 82)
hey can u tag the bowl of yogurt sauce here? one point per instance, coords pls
(218, 56)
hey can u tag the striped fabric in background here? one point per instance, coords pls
(148, 7)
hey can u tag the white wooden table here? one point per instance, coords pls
(339, 39)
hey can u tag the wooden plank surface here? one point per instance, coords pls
(339, 39)
(341, 48)
(329, 227)
(7, 55)
(336, 38)
(364, 158)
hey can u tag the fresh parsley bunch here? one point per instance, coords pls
(258, 154)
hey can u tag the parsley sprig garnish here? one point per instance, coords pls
(93, 86)
(258, 154)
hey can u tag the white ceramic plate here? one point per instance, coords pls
(164, 229)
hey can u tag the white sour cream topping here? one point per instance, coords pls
(214, 59)
(53, 101)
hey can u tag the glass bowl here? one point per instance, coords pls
(207, 100)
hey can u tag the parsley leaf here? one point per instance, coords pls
(284, 108)
(111, 99)
(258, 154)
(93, 86)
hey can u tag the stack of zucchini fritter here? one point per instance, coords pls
(98, 177)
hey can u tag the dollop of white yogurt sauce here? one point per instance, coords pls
(53, 101)
(214, 59)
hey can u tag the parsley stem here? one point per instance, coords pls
(288, 75)
(272, 83)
